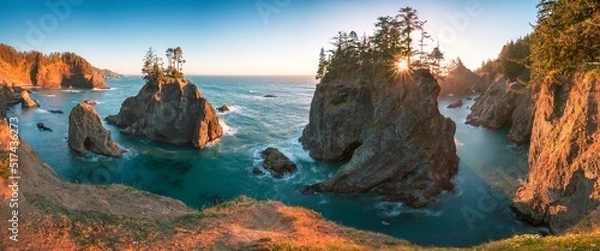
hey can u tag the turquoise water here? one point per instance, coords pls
(490, 167)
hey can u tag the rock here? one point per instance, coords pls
(257, 171)
(468, 98)
(461, 81)
(564, 177)
(456, 104)
(27, 101)
(173, 112)
(391, 131)
(503, 104)
(43, 127)
(86, 132)
(270, 96)
(56, 111)
(223, 108)
(277, 163)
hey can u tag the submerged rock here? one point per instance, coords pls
(277, 163)
(170, 111)
(564, 177)
(504, 103)
(27, 101)
(86, 132)
(456, 104)
(391, 131)
(56, 111)
(270, 96)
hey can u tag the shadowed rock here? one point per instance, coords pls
(277, 163)
(86, 132)
(391, 131)
(456, 104)
(223, 108)
(170, 111)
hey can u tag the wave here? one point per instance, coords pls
(43, 111)
(71, 91)
(102, 90)
(394, 209)
(458, 143)
(227, 130)
(50, 95)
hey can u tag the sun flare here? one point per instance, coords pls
(402, 65)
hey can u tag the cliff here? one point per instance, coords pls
(564, 177)
(504, 103)
(171, 111)
(397, 143)
(56, 70)
(460, 81)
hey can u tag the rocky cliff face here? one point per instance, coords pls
(397, 143)
(86, 132)
(461, 80)
(504, 104)
(172, 111)
(56, 70)
(564, 159)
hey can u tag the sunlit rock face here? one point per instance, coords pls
(564, 179)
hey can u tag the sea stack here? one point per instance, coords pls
(27, 101)
(86, 132)
(396, 141)
(505, 103)
(564, 160)
(169, 110)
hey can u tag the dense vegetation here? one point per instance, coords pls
(390, 49)
(154, 70)
(565, 39)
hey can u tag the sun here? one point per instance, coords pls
(402, 65)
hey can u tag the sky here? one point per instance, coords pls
(248, 37)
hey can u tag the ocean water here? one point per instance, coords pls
(491, 168)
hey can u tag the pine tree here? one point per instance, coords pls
(322, 65)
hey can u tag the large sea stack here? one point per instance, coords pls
(396, 141)
(171, 111)
(564, 178)
(55, 70)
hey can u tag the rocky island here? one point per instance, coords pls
(86, 132)
(168, 109)
(387, 127)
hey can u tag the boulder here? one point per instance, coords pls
(390, 131)
(223, 108)
(43, 127)
(86, 132)
(27, 101)
(564, 165)
(277, 163)
(504, 103)
(457, 104)
(170, 111)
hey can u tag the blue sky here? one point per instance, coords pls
(247, 37)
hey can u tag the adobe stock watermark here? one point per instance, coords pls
(460, 21)
(267, 8)
(489, 201)
(37, 30)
